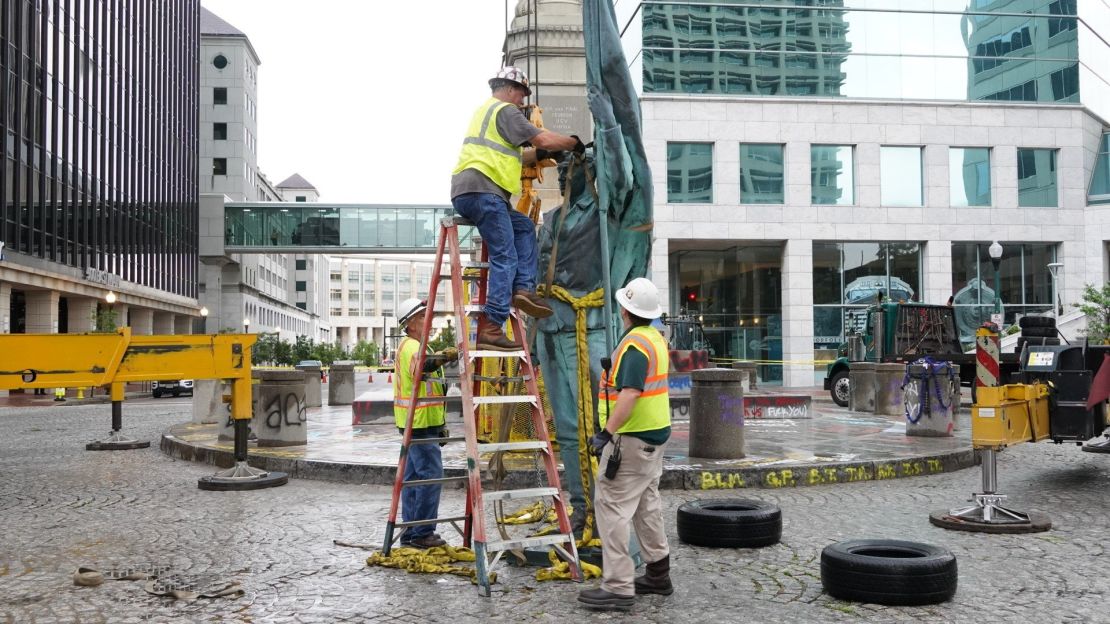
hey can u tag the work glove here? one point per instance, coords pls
(542, 154)
(579, 146)
(598, 442)
(443, 433)
(450, 354)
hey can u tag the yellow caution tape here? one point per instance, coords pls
(437, 560)
(560, 570)
(526, 515)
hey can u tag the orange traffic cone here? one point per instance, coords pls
(370, 378)
(390, 379)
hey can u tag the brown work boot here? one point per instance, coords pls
(531, 304)
(491, 338)
(656, 578)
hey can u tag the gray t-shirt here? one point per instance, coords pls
(516, 129)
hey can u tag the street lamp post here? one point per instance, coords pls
(1054, 269)
(246, 325)
(995, 251)
(204, 319)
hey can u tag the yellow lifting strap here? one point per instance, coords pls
(588, 463)
(437, 560)
(529, 202)
(560, 570)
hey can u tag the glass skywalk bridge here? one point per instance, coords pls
(288, 227)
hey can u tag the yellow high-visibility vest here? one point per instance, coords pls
(653, 409)
(427, 414)
(487, 151)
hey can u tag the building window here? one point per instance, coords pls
(219, 131)
(220, 61)
(302, 305)
(302, 198)
(301, 286)
(219, 95)
(901, 176)
(302, 264)
(1024, 280)
(832, 175)
(689, 173)
(1037, 178)
(761, 174)
(969, 174)
(219, 166)
(1099, 193)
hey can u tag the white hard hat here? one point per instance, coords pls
(409, 308)
(641, 298)
(512, 74)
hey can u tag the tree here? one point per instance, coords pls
(283, 353)
(105, 320)
(446, 338)
(303, 348)
(1096, 305)
(328, 353)
(264, 349)
(365, 353)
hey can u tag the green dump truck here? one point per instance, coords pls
(904, 332)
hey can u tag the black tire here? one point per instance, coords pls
(840, 395)
(1029, 322)
(1046, 332)
(729, 523)
(889, 572)
(1035, 341)
(176, 393)
(157, 394)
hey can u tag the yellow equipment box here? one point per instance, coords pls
(1007, 415)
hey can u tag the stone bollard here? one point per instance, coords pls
(227, 424)
(749, 380)
(208, 404)
(341, 383)
(861, 385)
(280, 413)
(716, 414)
(927, 416)
(888, 389)
(313, 386)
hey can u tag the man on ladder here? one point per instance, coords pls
(424, 460)
(486, 176)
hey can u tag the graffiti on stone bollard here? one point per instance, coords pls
(731, 408)
(289, 410)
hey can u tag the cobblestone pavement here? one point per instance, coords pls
(62, 507)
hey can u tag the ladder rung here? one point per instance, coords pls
(496, 354)
(526, 542)
(497, 400)
(436, 440)
(489, 379)
(529, 445)
(464, 276)
(401, 525)
(454, 398)
(504, 495)
(455, 220)
(439, 481)
(472, 307)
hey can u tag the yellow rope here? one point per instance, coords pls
(436, 560)
(560, 570)
(581, 305)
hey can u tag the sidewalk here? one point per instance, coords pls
(834, 446)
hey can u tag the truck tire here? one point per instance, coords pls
(1035, 341)
(1028, 322)
(839, 388)
(1041, 332)
(729, 523)
(889, 572)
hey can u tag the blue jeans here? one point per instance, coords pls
(421, 503)
(510, 237)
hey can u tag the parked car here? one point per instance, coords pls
(316, 363)
(176, 387)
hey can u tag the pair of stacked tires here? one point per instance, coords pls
(1036, 331)
(889, 572)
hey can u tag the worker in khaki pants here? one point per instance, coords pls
(630, 442)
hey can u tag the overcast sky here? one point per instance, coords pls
(368, 100)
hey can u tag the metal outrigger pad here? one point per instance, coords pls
(986, 514)
(116, 441)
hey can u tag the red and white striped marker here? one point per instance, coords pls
(986, 357)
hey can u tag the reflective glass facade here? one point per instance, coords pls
(901, 176)
(969, 172)
(1025, 281)
(847, 277)
(1099, 193)
(832, 175)
(761, 174)
(689, 173)
(1013, 50)
(99, 106)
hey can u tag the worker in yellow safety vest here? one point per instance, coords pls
(487, 174)
(635, 419)
(423, 461)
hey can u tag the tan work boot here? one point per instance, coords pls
(531, 304)
(491, 338)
